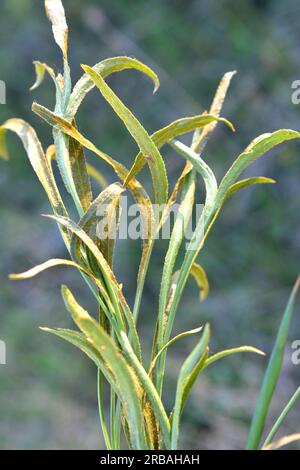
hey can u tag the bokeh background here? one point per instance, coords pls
(47, 388)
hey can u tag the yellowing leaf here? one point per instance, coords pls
(200, 277)
(176, 128)
(56, 14)
(142, 138)
(38, 161)
(283, 441)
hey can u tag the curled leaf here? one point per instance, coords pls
(40, 71)
(257, 148)
(169, 343)
(142, 138)
(39, 163)
(228, 352)
(128, 384)
(105, 68)
(201, 138)
(248, 182)
(175, 129)
(200, 277)
(56, 14)
(272, 374)
(202, 168)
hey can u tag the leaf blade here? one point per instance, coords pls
(272, 374)
(142, 138)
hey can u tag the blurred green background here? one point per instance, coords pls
(47, 388)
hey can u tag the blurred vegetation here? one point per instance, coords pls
(47, 393)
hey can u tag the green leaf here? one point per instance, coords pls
(113, 287)
(176, 128)
(272, 374)
(105, 68)
(200, 277)
(193, 376)
(39, 163)
(281, 418)
(81, 342)
(257, 148)
(248, 182)
(228, 352)
(169, 343)
(149, 388)
(80, 174)
(108, 199)
(128, 384)
(142, 138)
(56, 14)
(177, 236)
(202, 168)
(185, 371)
(201, 138)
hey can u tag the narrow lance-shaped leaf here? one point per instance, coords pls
(40, 71)
(80, 174)
(138, 192)
(128, 389)
(105, 68)
(201, 138)
(52, 263)
(97, 176)
(106, 206)
(142, 138)
(64, 160)
(81, 342)
(204, 361)
(175, 129)
(110, 280)
(200, 277)
(257, 148)
(177, 236)
(283, 441)
(39, 163)
(184, 374)
(56, 14)
(248, 182)
(92, 171)
(229, 352)
(169, 343)
(291, 403)
(202, 168)
(202, 135)
(272, 374)
(149, 389)
(113, 287)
